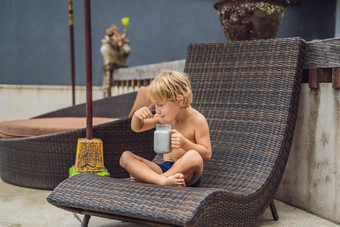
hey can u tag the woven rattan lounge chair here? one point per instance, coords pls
(249, 93)
(43, 161)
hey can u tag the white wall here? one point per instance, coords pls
(26, 101)
(312, 176)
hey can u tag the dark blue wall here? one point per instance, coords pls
(34, 40)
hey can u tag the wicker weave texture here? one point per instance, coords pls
(249, 93)
(247, 97)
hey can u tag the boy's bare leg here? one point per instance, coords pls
(145, 171)
(190, 164)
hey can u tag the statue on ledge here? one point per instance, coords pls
(115, 50)
(116, 47)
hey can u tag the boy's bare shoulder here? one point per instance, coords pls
(197, 117)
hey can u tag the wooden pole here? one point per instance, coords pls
(87, 14)
(336, 78)
(89, 157)
(73, 74)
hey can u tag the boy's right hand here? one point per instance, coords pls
(144, 113)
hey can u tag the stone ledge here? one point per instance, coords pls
(145, 72)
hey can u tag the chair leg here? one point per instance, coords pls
(274, 211)
(85, 220)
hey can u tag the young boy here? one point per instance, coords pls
(171, 93)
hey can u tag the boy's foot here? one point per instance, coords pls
(133, 179)
(175, 180)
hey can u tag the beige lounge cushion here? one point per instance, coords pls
(141, 100)
(43, 126)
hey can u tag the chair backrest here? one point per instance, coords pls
(249, 93)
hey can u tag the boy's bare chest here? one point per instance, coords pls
(187, 130)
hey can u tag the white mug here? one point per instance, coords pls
(162, 139)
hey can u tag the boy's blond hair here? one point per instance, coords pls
(170, 85)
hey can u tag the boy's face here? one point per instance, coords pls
(167, 110)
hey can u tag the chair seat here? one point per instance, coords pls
(165, 204)
(43, 126)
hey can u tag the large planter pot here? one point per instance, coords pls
(250, 19)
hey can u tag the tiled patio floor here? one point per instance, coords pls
(28, 208)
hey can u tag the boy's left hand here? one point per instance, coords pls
(177, 139)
